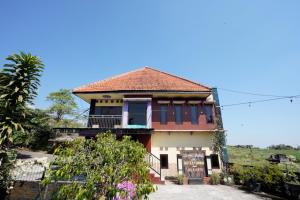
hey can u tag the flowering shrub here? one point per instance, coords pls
(127, 191)
(103, 164)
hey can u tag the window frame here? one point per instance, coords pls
(133, 116)
(163, 112)
(196, 113)
(215, 163)
(161, 161)
(180, 114)
(208, 121)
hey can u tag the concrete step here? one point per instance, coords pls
(195, 181)
(155, 180)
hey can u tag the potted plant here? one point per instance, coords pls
(215, 178)
(180, 179)
(185, 180)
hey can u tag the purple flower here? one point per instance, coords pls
(127, 191)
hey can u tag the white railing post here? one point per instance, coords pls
(125, 114)
(149, 114)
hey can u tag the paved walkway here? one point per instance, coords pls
(207, 192)
(25, 154)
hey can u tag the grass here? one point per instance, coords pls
(246, 156)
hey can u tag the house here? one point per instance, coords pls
(174, 118)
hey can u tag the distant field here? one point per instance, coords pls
(245, 156)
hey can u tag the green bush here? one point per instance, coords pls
(7, 160)
(180, 179)
(269, 175)
(215, 178)
(103, 163)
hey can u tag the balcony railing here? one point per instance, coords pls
(105, 121)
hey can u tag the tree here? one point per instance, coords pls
(63, 104)
(100, 168)
(19, 81)
(38, 130)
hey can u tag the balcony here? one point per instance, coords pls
(105, 121)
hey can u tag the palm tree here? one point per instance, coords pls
(19, 81)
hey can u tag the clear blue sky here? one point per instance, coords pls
(243, 45)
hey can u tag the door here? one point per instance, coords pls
(193, 164)
(179, 164)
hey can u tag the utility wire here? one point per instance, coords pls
(251, 93)
(260, 101)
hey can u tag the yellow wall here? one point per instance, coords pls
(171, 142)
(109, 104)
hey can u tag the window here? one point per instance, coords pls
(137, 113)
(208, 113)
(163, 114)
(108, 110)
(214, 161)
(178, 114)
(164, 163)
(194, 114)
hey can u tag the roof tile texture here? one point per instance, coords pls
(143, 79)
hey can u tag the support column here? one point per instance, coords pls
(125, 114)
(149, 114)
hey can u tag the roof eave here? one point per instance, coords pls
(143, 91)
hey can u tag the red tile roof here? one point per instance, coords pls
(143, 79)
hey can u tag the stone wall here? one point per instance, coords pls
(24, 190)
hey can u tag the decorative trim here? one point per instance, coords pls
(194, 102)
(208, 102)
(137, 99)
(178, 102)
(163, 102)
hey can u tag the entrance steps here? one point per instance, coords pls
(155, 180)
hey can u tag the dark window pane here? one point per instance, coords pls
(215, 161)
(137, 113)
(163, 114)
(208, 113)
(194, 114)
(108, 110)
(164, 163)
(178, 114)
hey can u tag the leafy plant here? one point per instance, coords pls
(100, 165)
(38, 130)
(219, 141)
(268, 175)
(215, 178)
(19, 81)
(180, 179)
(7, 159)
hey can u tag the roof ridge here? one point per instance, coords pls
(176, 76)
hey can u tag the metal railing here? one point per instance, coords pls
(105, 121)
(154, 163)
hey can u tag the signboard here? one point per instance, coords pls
(193, 163)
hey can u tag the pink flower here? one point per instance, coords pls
(129, 189)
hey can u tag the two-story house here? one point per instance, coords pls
(174, 118)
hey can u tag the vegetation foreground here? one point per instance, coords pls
(255, 156)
